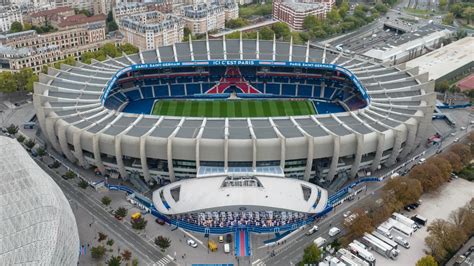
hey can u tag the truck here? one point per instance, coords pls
(404, 229)
(334, 231)
(385, 239)
(419, 219)
(362, 252)
(319, 242)
(404, 220)
(351, 259)
(384, 231)
(379, 246)
(400, 240)
(313, 230)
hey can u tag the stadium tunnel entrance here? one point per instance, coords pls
(262, 89)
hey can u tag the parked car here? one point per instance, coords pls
(192, 243)
(346, 214)
(228, 238)
(221, 239)
(159, 221)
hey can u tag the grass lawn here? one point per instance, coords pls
(233, 108)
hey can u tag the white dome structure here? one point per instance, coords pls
(37, 225)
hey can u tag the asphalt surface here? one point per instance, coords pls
(137, 244)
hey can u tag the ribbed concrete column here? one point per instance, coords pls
(226, 144)
(396, 147)
(50, 121)
(254, 144)
(335, 157)
(95, 146)
(143, 158)
(169, 150)
(410, 142)
(119, 155)
(198, 142)
(283, 152)
(358, 155)
(310, 157)
(63, 143)
(378, 152)
(76, 140)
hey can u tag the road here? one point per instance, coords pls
(120, 231)
(292, 252)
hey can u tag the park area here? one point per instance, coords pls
(233, 108)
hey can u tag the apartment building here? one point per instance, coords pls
(293, 12)
(203, 17)
(151, 30)
(8, 15)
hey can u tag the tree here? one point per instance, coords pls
(456, 9)
(98, 252)
(310, 21)
(12, 129)
(16, 27)
(454, 160)
(110, 242)
(281, 30)
(163, 242)
(448, 19)
(110, 49)
(20, 138)
(405, 190)
(463, 152)
(41, 152)
(135, 262)
(106, 200)
(311, 255)
(468, 14)
(359, 225)
(266, 33)
(114, 261)
(344, 8)
(7, 82)
(444, 239)
(70, 174)
(110, 22)
(128, 48)
(121, 212)
(126, 255)
(427, 260)
(102, 236)
(442, 4)
(236, 23)
(428, 175)
(381, 8)
(333, 16)
(29, 143)
(83, 184)
(139, 223)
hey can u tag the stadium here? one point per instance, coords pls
(246, 116)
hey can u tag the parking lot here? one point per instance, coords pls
(437, 205)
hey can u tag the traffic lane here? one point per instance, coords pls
(107, 220)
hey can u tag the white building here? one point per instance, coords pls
(8, 15)
(38, 226)
(204, 17)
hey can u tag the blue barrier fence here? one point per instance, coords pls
(339, 195)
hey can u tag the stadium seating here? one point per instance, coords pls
(147, 92)
(161, 91)
(133, 95)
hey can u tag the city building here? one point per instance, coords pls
(128, 9)
(204, 17)
(383, 112)
(410, 44)
(45, 17)
(38, 226)
(8, 15)
(64, 18)
(151, 30)
(293, 12)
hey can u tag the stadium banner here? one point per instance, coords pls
(147, 66)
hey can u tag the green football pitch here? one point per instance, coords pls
(233, 108)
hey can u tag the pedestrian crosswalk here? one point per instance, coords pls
(164, 261)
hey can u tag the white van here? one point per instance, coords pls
(313, 230)
(334, 231)
(402, 242)
(226, 248)
(384, 231)
(319, 242)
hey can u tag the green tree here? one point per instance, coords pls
(16, 27)
(236, 23)
(162, 242)
(427, 260)
(27, 26)
(448, 19)
(121, 212)
(139, 223)
(110, 49)
(310, 22)
(442, 4)
(135, 262)
(186, 33)
(83, 184)
(20, 138)
(106, 200)
(266, 33)
(281, 30)
(29, 143)
(12, 130)
(110, 242)
(333, 16)
(344, 8)
(114, 261)
(7, 82)
(311, 255)
(381, 8)
(70, 174)
(456, 9)
(468, 14)
(41, 152)
(128, 48)
(98, 252)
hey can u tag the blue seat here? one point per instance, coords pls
(288, 89)
(328, 91)
(120, 96)
(193, 88)
(147, 92)
(133, 95)
(280, 79)
(317, 92)
(177, 90)
(161, 91)
(273, 88)
(200, 78)
(304, 90)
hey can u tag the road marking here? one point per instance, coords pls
(191, 236)
(164, 261)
